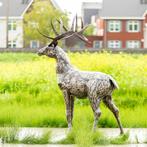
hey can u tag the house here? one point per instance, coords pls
(11, 22)
(90, 13)
(90, 10)
(119, 23)
(124, 23)
(31, 41)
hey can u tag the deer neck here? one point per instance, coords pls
(63, 63)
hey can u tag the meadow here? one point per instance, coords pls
(30, 97)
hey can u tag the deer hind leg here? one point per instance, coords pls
(69, 102)
(95, 102)
(109, 103)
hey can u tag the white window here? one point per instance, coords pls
(34, 44)
(12, 44)
(114, 26)
(114, 44)
(133, 44)
(133, 26)
(12, 25)
(97, 44)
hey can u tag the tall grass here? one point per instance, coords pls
(82, 135)
(29, 94)
(10, 135)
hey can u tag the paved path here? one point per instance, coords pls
(60, 133)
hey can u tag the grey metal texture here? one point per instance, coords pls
(96, 86)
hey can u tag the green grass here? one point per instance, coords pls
(83, 135)
(10, 135)
(122, 139)
(28, 86)
(32, 139)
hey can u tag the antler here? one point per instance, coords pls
(78, 34)
(67, 33)
(44, 35)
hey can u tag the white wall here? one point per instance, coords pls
(17, 34)
(13, 35)
(2, 33)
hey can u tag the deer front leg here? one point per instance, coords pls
(69, 102)
(95, 103)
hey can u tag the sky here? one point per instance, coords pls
(73, 6)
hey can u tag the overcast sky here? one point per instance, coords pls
(73, 6)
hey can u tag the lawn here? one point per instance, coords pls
(30, 97)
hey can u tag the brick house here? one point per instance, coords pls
(124, 23)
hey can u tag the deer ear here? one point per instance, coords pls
(54, 45)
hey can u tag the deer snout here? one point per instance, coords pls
(41, 51)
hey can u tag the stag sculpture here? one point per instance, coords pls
(97, 86)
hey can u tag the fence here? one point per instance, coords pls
(140, 51)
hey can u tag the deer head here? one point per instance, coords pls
(50, 50)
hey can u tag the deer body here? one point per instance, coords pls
(82, 83)
(96, 86)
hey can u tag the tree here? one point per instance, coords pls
(90, 30)
(39, 16)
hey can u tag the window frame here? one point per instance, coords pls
(31, 43)
(99, 42)
(12, 25)
(113, 45)
(133, 24)
(131, 41)
(114, 24)
(12, 44)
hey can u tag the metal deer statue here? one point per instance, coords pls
(97, 86)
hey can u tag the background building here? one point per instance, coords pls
(125, 23)
(90, 15)
(11, 22)
(117, 24)
(90, 10)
